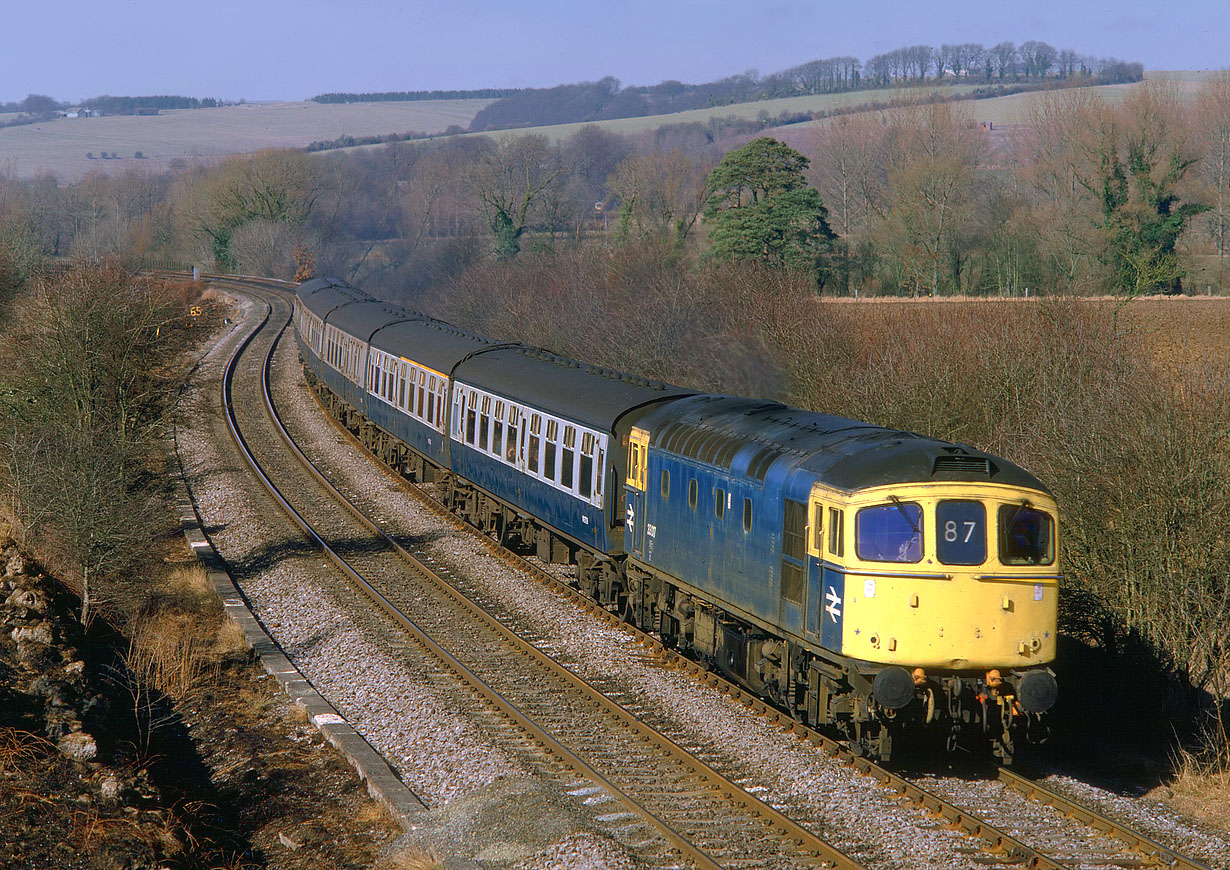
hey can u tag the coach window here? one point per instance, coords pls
(514, 418)
(497, 435)
(471, 417)
(568, 456)
(535, 429)
(585, 477)
(548, 449)
(692, 494)
(417, 410)
(666, 484)
(747, 514)
(401, 386)
(719, 502)
(599, 475)
(484, 423)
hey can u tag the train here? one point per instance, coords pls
(886, 587)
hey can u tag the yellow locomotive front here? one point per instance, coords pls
(945, 595)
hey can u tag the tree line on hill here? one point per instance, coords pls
(40, 107)
(1033, 63)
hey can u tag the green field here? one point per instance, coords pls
(60, 146)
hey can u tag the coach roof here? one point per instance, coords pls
(586, 393)
(362, 319)
(431, 343)
(322, 295)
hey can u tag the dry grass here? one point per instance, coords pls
(168, 651)
(96, 833)
(179, 644)
(21, 749)
(1201, 786)
(412, 858)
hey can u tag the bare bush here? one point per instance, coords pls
(264, 247)
(88, 388)
(1136, 452)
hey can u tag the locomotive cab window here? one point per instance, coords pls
(747, 514)
(692, 494)
(889, 533)
(1026, 535)
(666, 484)
(719, 502)
(837, 541)
(961, 532)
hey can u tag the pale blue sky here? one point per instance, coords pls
(294, 49)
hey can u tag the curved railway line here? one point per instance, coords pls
(702, 814)
(688, 808)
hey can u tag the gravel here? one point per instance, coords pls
(438, 743)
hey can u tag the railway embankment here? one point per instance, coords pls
(148, 737)
(99, 768)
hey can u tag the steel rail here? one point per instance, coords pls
(806, 840)
(751, 803)
(1135, 840)
(997, 841)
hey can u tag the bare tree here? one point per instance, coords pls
(660, 193)
(87, 393)
(1213, 130)
(507, 181)
(931, 187)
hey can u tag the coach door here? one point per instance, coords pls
(635, 520)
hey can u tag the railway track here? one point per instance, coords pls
(701, 814)
(998, 846)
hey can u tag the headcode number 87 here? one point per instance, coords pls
(952, 531)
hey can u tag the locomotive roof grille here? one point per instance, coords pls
(759, 466)
(957, 463)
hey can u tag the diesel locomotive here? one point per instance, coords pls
(872, 582)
